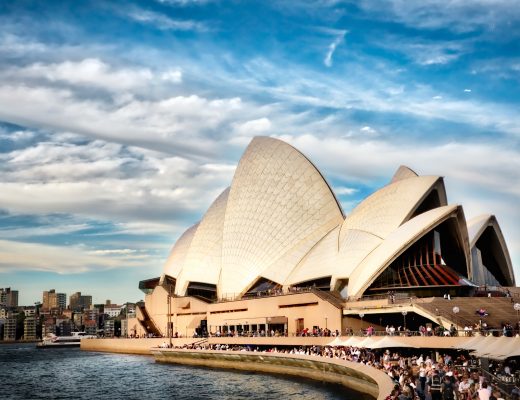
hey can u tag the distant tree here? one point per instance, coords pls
(117, 327)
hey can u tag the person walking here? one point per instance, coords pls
(447, 389)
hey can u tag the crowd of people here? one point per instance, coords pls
(455, 376)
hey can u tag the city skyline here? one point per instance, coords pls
(119, 124)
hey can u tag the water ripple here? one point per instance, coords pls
(28, 373)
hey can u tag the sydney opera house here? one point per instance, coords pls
(275, 252)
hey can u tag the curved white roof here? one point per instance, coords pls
(403, 172)
(281, 270)
(400, 240)
(319, 262)
(478, 225)
(385, 210)
(175, 260)
(280, 220)
(355, 247)
(277, 199)
(203, 259)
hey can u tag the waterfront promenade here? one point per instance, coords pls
(356, 376)
(143, 345)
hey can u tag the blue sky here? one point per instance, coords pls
(121, 121)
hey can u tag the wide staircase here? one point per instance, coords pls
(333, 297)
(147, 323)
(499, 310)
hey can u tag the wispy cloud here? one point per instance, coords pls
(332, 48)
(106, 181)
(88, 72)
(16, 256)
(164, 22)
(345, 191)
(141, 128)
(42, 231)
(457, 16)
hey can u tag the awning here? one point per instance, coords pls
(499, 348)
(388, 342)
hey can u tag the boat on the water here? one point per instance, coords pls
(54, 341)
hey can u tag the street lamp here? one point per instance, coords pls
(404, 312)
(170, 315)
(326, 318)
(455, 312)
(517, 309)
(361, 315)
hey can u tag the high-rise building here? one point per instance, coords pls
(74, 301)
(8, 297)
(61, 300)
(51, 299)
(29, 328)
(47, 298)
(79, 302)
(109, 328)
(10, 328)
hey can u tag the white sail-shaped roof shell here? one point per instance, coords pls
(403, 172)
(278, 199)
(385, 210)
(477, 226)
(280, 220)
(175, 261)
(320, 261)
(203, 259)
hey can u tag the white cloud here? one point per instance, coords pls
(17, 136)
(332, 48)
(163, 22)
(245, 131)
(35, 231)
(368, 130)
(345, 191)
(110, 252)
(173, 75)
(93, 72)
(14, 45)
(107, 181)
(15, 256)
(367, 90)
(457, 15)
(176, 125)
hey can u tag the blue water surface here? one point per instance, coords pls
(28, 373)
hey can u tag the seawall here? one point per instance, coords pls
(358, 377)
(130, 346)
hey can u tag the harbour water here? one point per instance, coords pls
(28, 373)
